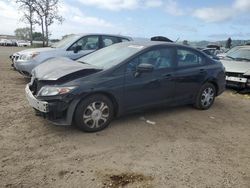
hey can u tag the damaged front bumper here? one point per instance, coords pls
(238, 81)
(59, 110)
(41, 106)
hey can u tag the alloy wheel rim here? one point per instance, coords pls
(96, 114)
(207, 97)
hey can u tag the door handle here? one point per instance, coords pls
(202, 70)
(167, 76)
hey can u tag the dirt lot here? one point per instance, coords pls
(185, 148)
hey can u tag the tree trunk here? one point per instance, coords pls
(31, 26)
(43, 32)
(31, 31)
(46, 32)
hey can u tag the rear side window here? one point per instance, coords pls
(109, 40)
(124, 40)
(189, 58)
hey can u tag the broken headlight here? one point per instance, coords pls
(54, 90)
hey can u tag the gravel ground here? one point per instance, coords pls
(184, 148)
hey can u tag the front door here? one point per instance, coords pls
(85, 45)
(150, 88)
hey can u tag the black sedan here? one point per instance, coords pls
(123, 78)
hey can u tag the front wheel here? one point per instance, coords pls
(205, 97)
(94, 113)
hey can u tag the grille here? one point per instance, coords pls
(34, 87)
(16, 58)
(234, 74)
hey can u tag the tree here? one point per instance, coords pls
(185, 42)
(229, 43)
(41, 12)
(23, 33)
(38, 36)
(28, 14)
(40, 20)
(65, 36)
(47, 11)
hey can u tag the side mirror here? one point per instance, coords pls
(77, 49)
(144, 67)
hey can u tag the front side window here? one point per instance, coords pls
(64, 42)
(187, 58)
(124, 40)
(160, 59)
(87, 43)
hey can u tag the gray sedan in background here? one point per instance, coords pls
(73, 47)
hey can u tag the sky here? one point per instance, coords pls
(191, 20)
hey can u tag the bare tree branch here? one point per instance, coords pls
(28, 13)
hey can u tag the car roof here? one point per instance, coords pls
(147, 44)
(209, 49)
(113, 35)
(241, 47)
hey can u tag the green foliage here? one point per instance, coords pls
(23, 33)
(37, 36)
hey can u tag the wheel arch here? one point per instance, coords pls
(213, 81)
(108, 95)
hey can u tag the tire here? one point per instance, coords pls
(205, 97)
(94, 113)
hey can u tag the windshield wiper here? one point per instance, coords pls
(230, 57)
(83, 62)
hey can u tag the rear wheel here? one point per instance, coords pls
(94, 113)
(205, 97)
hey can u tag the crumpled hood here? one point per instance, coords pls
(57, 68)
(237, 66)
(35, 50)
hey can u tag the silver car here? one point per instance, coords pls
(237, 66)
(232, 50)
(73, 47)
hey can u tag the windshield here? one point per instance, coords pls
(111, 56)
(233, 50)
(241, 54)
(64, 42)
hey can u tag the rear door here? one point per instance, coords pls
(191, 73)
(150, 88)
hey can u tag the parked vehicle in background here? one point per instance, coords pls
(23, 43)
(2, 42)
(237, 66)
(214, 46)
(5, 42)
(232, 50)
(212, 52)
(160, 38)
(123, 78)
(74, 47)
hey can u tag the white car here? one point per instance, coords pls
(5, 42)
(23, 43)
(232, 50)
(237, 65)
